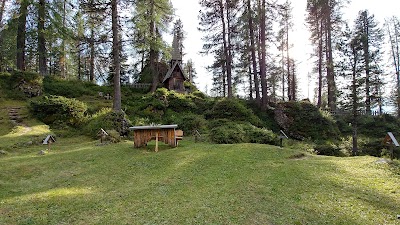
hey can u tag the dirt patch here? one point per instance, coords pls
(298, 156)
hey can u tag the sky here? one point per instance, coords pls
(188, 10)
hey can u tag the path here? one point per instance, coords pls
(16, 119)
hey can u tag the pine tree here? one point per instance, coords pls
(151, 18)
(286, 25)
(41, 38)
(351, 55)
(218, 22)
(2, 5)
(371, 39)
(116, 56)
(190, 70)
(323, 18)
(21, 34)
(252, 46)
(393, 32)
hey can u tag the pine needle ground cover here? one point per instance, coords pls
(80, 182)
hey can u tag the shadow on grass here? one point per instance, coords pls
(194, 183)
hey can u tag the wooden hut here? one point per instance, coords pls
(175, 77)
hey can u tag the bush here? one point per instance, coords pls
(381, 124)
(20, 84)
(192, 122)
(303, 120)
(180, 102)
(233, 110)
(328, 149)
(59, 110)
(226, 132)
(372, 147)
(72, 88)
(113, 136)
(107, 119)
(230, 133)
(261, 136)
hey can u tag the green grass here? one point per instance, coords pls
(79, 182)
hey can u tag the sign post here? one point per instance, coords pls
(103, 134)
(48, 140)
(281, 137)
(391, 141)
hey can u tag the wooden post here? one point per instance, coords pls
(156, 141)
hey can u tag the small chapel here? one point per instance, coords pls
(175, 77)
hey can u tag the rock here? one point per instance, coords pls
(42, 152)
(2, 152)
(382, 161)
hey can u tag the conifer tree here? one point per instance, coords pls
(151, 18)
(393, 32)
(217, 21)
(371, 37)
(21, 34)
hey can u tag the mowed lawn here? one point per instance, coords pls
(79, 182)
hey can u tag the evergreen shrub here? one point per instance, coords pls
(233, 110)
(180, 102)
(192, 122)
(329, 149)
(307, 121)
(223, 131)
(20, 84)
(59, 110)
(108, 120)
(72, 88)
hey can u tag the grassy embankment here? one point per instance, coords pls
(80, 182)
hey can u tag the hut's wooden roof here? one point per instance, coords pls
(171, 70)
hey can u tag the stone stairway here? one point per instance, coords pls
(14, 115)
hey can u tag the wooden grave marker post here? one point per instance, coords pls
(48, 140)
(391, 141)
(281, 137)
(103, 134)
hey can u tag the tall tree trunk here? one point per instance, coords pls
(263, 57)
(289, 80)
(223, 77)
(63, 70)
(394, 44)
(3, 2)
(367, 65)
(116, 57)
(330, 71)
(354, 101)
(229, 61)
(21, 34)
(294, 84)
(283, 70)
(226, 50)
(250, 82)
(92, 53)
(397, 65)
(320, 55)
(253, 52)
(41, 38)
(153, 55)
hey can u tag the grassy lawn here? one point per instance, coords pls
(79, 182)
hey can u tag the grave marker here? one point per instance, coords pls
(391, 142)
(281, 137)
(48, 140)
(102, 134)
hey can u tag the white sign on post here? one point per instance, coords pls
(48, 140)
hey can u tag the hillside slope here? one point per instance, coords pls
(79, 182)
